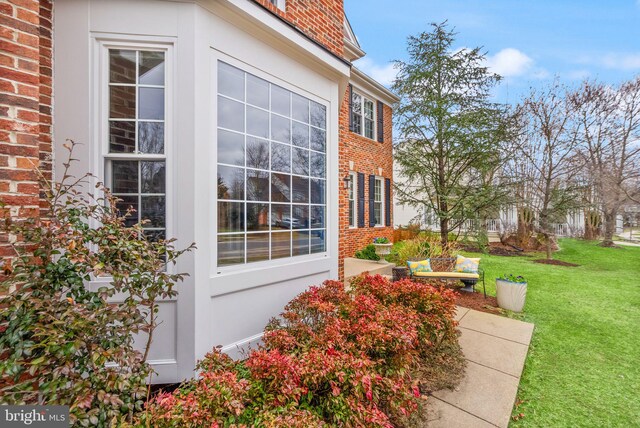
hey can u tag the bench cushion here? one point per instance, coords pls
(461, 275)
(421, 266)
(467, 264)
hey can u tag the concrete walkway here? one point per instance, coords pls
(354, 267)
(495, 348)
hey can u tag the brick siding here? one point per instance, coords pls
(367, 156)
(26, 54)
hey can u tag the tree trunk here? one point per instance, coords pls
(609, 229)
(549, 249)
(444, 232)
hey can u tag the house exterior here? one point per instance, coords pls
(229, 123)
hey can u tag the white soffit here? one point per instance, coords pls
(375, 88)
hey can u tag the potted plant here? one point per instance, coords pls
(383, 248)
(511, 292)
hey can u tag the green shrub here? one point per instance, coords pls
(367, 253)
(64, 343)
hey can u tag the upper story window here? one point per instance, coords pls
(280, 4)
(271, 170)
(363, 115)
(135, 162)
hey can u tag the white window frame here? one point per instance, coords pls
(363, 99)
(381, 202)
(353, 197)
(102, 158)
(280, 4)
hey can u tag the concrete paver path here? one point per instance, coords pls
(495, 348)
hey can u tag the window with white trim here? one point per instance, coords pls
(352, 200)
(135, 162)
(280, 4)
(271, 179)
(378, 196)
(363, 115)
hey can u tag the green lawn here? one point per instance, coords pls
(583, 367)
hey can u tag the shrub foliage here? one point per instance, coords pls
(65, 340)
(335, 357)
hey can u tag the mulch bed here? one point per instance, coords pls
(495, 249)
(555, 263)
(478, 302)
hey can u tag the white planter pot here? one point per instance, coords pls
(383, 250)
(511, 295)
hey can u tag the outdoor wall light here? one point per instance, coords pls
(347, 181)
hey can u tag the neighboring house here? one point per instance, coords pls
(229, 123)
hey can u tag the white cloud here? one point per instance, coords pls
(621, 61)
(510, 62)
(384, 74)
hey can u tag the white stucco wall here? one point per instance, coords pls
(228, 306)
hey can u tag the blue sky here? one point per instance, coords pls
(528, 42)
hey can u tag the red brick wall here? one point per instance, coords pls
(322, 20)
(367, 156)
(25, 105)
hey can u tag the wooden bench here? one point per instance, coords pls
(443, 269)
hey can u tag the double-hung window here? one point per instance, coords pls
(352, 200)
(363, 115)
(271, 151)
(135, 162)
(377, 201)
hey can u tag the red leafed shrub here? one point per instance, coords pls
(335, 357)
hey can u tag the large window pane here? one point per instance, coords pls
(230, 183)
(300, 215)
(230, 217)
(257, 217)
(317, 165)
(300, 189)
(122, 66)
(230, 250)
(280, 129)
(281, 216)
(257, 92)
(257, 122)
(318, 139)
(300, 108)
(151, 68)
(153, 176)
(122, 102)
(280, 157)
(257, 185)
(257, 153)
(317, 217)
(230, 148)
(280, 187)
(280, 245)
(300, 135)
(230, 81)
(318, 115)
(151, 103)
(124, 177)
(318, 244)
(280, 101)
(153, 210)
(122, 137)
(257, 247)
(151, 137)
(230, 114)
(300, 161)
(300, 243)
(317, 191)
